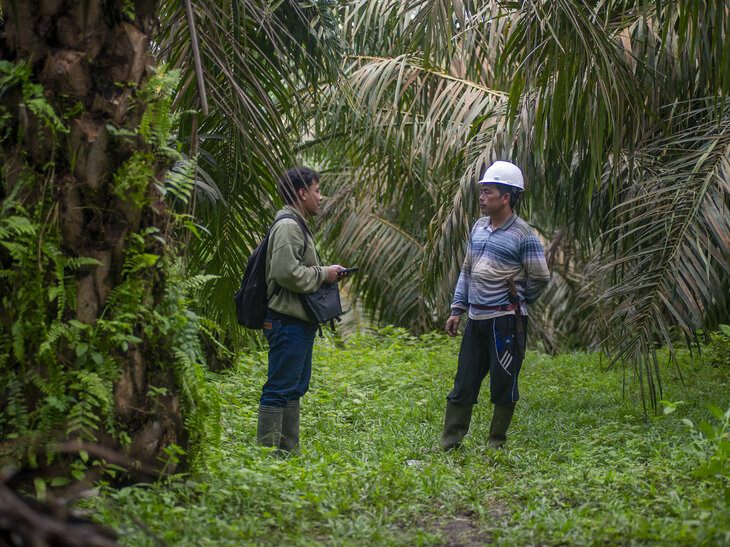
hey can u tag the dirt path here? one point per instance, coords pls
(463, 528)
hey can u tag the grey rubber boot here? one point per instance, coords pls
(290, 428)
(500, 422)
(456, 425)
(268, 431)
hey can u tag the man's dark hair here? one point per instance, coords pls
(514, 193)
(295, 179)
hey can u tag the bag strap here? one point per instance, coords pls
(301, 227)
(319, 259)
(304, 233)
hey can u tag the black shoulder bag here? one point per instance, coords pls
(322, 305)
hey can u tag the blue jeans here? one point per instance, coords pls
(290, 361)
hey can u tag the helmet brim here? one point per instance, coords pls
(505, 183)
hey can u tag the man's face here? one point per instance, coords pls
(490, 202)
(310, 199)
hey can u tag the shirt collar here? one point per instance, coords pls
(290, 210)
(506, 224)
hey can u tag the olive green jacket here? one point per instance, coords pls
(290, 270)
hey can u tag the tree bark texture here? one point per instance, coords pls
(91, 58)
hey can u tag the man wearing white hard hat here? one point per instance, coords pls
(504, 269)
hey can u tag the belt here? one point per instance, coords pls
(288, 319)
(504, 307)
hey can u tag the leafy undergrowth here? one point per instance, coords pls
(583, 464)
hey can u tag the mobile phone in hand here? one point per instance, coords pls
(348, 270)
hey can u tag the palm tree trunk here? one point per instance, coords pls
(91, 59)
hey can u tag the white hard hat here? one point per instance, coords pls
(504, 172)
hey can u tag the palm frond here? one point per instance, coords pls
(263, 66)
(607, 108)
(670, 271)
(388, 257)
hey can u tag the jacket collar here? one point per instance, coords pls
(289, 210)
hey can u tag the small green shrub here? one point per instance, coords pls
(711, 447)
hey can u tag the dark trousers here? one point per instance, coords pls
(290, 361)
(488, 346)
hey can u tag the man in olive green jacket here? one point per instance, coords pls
(292, 268)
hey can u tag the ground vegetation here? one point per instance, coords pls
(583, 465)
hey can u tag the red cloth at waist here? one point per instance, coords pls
(504, 307)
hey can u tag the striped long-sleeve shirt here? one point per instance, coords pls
(492, 257)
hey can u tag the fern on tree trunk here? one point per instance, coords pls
(97, 341)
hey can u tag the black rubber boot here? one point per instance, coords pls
(500, 422)
(290, 428)
(268, 431)
(456, 425)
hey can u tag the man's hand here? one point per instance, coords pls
(332, 272)
(452, 325)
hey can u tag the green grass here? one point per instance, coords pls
(583, 464)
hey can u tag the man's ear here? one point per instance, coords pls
(302, 193)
